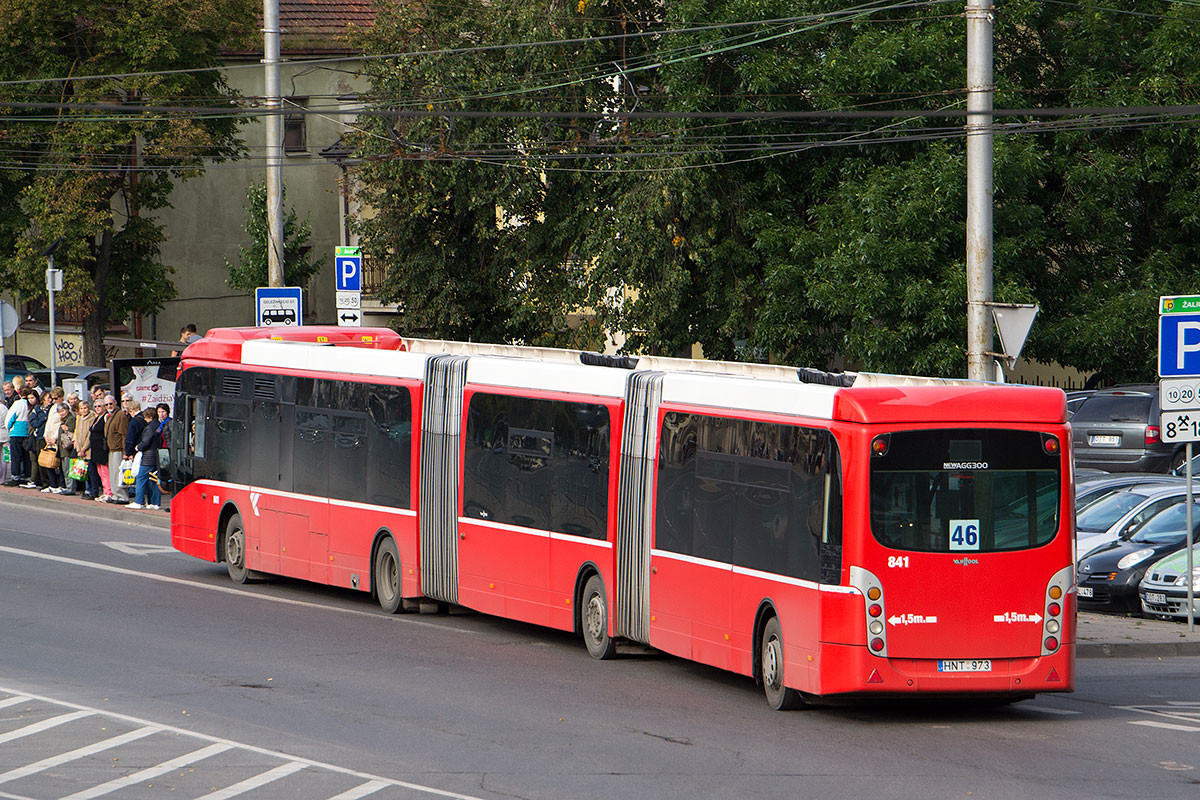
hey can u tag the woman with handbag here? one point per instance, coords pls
(38, 415)
(77, 469)
(60, 443)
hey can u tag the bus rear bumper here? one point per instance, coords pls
(851, 669)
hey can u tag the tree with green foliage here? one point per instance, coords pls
(251, 270)
(829, 240)
(107, 106)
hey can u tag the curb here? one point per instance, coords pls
(77, 505)
(1136, 649)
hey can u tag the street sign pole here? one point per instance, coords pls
(1190, 580)
(1179, 355)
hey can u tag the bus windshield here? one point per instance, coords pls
(964, 490)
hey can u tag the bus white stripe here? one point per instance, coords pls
(403, 512)
(44, 725)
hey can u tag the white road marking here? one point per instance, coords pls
(228, 744)
(1050, 710)
(408, 620)
(370, 787)
(136, 549)
(1150, 723)
(12, 701)
(82, 752)
(149, 772)
(45, 724)
(241, 787)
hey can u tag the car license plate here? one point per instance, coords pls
(1157, 598)
(965, 665)
(1106, 440)
(1084, 591)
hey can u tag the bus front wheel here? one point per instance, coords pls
(594, 620)
(235, 549)
(387, 576)
(779, 697)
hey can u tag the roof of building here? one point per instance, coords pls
(317, 27)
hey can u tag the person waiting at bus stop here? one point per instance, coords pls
(115, 428)
(148, 444)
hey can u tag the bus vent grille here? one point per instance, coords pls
(264, 388)
(642, 394)
(231, 385)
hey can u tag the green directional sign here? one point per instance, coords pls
(1179, 304)
(357, 251)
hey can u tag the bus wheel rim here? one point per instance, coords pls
(771, 662)
(595, 617)
(234, 547)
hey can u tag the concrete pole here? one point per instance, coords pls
(50, 304)
(979, 188)
(274, 122)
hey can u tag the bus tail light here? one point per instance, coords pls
(1153, 434)
(1052, 622)
(873, 602)
(1051, 444)
(880, 444)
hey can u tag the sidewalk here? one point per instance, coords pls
(1098, 636)
(80, 505)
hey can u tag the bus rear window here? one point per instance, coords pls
(964, 490)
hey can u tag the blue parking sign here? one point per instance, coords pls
(1178, 345)
(349, 273)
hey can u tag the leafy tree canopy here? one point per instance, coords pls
(518, 182)
(92, 158)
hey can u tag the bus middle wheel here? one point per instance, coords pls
(387, 576)
(594, 620)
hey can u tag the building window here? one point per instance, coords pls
(295, 138)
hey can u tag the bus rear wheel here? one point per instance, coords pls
(593, 620)
(235, 549)
(387, 576)
(779, 697)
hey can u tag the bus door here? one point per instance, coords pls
(691, 571)
(971, 531)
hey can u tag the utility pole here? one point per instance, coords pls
(274, 120)
(980, 91)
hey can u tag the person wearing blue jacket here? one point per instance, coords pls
(17, 423)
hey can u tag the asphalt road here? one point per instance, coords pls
(158, 678)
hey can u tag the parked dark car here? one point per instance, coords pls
(1109, 575)
(1117, 429)
(20, 365)
(1075, 399)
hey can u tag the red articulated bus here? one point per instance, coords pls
(827, 535)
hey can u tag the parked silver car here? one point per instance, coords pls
(1163, 592)
(1120, 514)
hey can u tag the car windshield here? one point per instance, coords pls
(1168, 525)
(1114, 408)
(1104, 513)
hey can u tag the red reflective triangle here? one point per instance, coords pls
(1053, 676)
(874, 677)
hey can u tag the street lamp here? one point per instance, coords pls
(54, 283)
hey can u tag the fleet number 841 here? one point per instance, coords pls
(897, 561)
